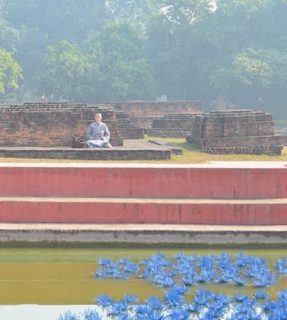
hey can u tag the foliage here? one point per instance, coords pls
(215, 51)
(124, 71)
(9, 36)
(10, 72)
(66, 68)
(109, 67)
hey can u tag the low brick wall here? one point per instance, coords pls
(168, 133)
(127, 128)
(172, 125)
(283, 132)
(87, 154)
(51, 124)
(144, 112)
(236, 131)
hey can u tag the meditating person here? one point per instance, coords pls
(98, 134)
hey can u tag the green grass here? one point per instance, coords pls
(91, 255)
(191, 154)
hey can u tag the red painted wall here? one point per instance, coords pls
(86, 212)
(131, 183)
(221, 183)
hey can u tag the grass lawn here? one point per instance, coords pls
(191, 154)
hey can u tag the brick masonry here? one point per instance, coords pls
(172, 125)
(283, 132)
(51, 124)
(127, 128)
(87, 154)
(236, 131)
(143, 113)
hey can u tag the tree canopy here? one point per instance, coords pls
(217, 51)
(10, 72)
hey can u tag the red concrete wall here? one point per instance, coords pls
(116, 212)
(220, 183)
(128, 195)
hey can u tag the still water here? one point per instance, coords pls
(65, 276)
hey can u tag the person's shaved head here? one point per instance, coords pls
(98, 117)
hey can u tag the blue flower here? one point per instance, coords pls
(260, 295)
(68, 316)
(130, 299)
(92, 315)
(104, 300)
(154, 303)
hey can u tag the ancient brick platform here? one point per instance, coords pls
(131, 150)
(51, 124)
(172, 125)
(236, 131)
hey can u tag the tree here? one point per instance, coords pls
(108, 50)
(173, 47)
(262, 75)
(10, 72)
(9, 36)
(131, 11)
(42, 23)
(57, 19)
(249, 57)
(124, 70)
(66, 68)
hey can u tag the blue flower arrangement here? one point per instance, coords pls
(177, 275)
(192, 270)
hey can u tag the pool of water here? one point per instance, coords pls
(65, 276)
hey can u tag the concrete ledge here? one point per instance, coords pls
(155, 181)
(130, 210)
(142, 234)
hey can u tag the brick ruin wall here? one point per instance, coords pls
(143, 113)
(127, 128)
(283, 132)
(172, 125)
(55, 123)
(51, 124)
(236, 131)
